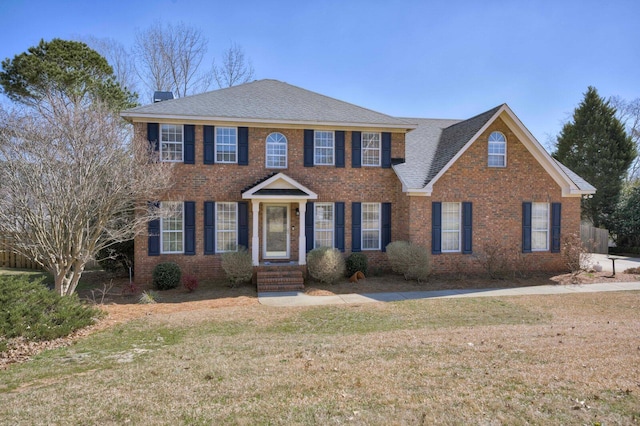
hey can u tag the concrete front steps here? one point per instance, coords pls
(279, 278)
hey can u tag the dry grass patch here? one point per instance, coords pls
(569, 359)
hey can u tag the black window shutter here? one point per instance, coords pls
(308, 148)
(189, 144)
(339, 225)
(209, 227)
(153, 130)
(526, 227)
(386, 150)
(243, 224)
(556, 217)
(356, 149)
(189, 227)
(243, 146)
(339, 148)
(467, 228)
(436, 227)
(153, 230)
(356, 227)
(386, 225)
(308, 225)
(209, 144)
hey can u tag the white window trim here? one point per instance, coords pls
(160, 142)
(286, 152)
(379, 149)
(333, 148)
(162, 232)
(333, 223)
(546, 230)
(215, 149)
(459, 230)
(504, 156)
(379, 228)
(225, 230)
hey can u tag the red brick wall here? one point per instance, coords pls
(497, 195)
(224, 182)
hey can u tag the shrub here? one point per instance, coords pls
(632, 271)
(148, 297)
(190, 282)
(410, 260)
(29, 310)
(357, 262)
(326, 264)
(238, 266)
(495, 259)
(166, 276)
(576, 257)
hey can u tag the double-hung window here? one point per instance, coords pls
(226, 227)
(370, 226)
(497, 150)
(276, 151)
(451, 219)
(324, 218)
(226, 144)
(370, 149)
(171, 142)
(323, 146)
(172, 227)
(540, 226)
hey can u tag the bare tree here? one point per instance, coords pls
(235, 69)
(628, 113)
(73, 182)
(118, 57)
(169, 58)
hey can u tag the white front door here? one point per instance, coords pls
(276, 231)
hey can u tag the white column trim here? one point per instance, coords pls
(302, 239)
(255, 238)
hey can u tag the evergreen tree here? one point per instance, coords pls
(62, 67)
(595, 146)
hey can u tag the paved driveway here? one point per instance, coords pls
(622, 262)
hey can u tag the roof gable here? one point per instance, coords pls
(456, 138)
(266, 101)
(278, 186)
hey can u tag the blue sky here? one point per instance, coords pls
(436, 59)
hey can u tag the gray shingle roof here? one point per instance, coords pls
(267, 101)
(582, 184)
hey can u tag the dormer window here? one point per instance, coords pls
(497, 150)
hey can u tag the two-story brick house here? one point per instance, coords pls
(281, 170)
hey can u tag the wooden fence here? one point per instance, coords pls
(10, 259)
(596, 239)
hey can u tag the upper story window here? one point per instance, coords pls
(323, 225)
(323, 144)
(540, 226)
(370, 149)
(171, 142)
(276, 151)
(226, 145)
(370, 226)
(451, 219)
(497, 150)
(172, 227)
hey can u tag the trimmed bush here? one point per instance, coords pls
(29, 310)
(326, 264)
(238, 266)
(166, 276)
(357, 262)
(410, 260)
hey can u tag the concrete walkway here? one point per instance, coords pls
(284, 299)
(301, 299)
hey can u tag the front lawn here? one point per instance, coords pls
(567, 359)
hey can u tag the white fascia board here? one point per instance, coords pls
(140, 117)
(250, 194)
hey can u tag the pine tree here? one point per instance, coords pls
(595, 146)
